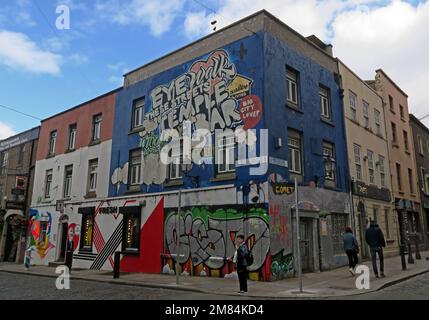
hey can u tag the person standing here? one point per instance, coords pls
(351, 248)
(375, 239)
(240, 260)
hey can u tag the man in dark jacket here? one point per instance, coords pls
(375, 239)
(240, 259)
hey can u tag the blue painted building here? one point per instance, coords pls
(256, 88)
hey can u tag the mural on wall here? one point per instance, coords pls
(207, 236)
(211, 94)
(40, 224)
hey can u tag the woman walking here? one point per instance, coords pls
(351, 247)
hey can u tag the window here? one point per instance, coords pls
(377, 117)
(339, 223)
(138, 113)
(405, 133)
(52, 142)
(358, 165)
(325, 105)
(72, 136)
(225, 153)
(4, 162)
(410, 180)
(382, 170)
(387, 223)
(21, 154)
(87, 231)
(329, 158)
(292, 78)
(295, 152)
(175, 155)
(48, 183)
(398, 176)
(68, 176)
(394, 135)
(375, 214)
(365, 113)
(401, 112)
(420, 144)
(353, 105)
(425, 181)
(370, 156)
(131, 241)
(96, 127)
(135, 167)
(92, 175)
(391, 103)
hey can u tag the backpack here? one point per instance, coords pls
(249, 258)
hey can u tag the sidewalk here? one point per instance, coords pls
(331, 283)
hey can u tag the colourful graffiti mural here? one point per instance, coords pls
(207, 237)
(40, 232)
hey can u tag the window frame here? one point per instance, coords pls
(125, 249)
(411, 180)
(92, 172)
(293, 150)
(382, 164)
(371, 171)
(326, 145)
(354, 105)
(85, 218)
(394, 133)
(97, 119)
(398, 175)
(52, 142)
(225, 148)
(420, 144)
(366, 118)
(406, 142)
(138, 104)
(325, 101)
(68, 181)
(377, 117)
(47, 191)
(292, 77)
(131, 182)
(358, 164)
(175, 165)
(72, 131)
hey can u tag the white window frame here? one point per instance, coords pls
(358, 161)
(325, 103)
(52, 141)
(138, 113)
(292, 86)
(365, 108)
(328, 151)
(135, 168)
(225, 153)
(420, 144)
(353, 105)
(68, 181)
(48, 183)
(370, 159)
(72, 136)
(175, 166)
(381, 163)
(295, 151)
(377, 116)
(96, 126)
(92, 175)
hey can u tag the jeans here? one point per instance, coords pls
(353, 258)
(374, 252)
(242, 278)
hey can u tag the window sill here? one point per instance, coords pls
(224, 177)
(408, 152)
(66, 199)
(327, 121)
(136, 130)
(94, 142)
(50, 155)
(174, 183)
(133, 190)
(379, 135)
(368, 129)
(401, 192)
(403, 119)
(355, 121)
(46, 201)
(391, 110)
(294, 107)
(395, 144)
(412, 194)
(70, 150)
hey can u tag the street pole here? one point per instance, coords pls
(298, 237)
(178, 236)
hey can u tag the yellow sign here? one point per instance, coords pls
(239, 87)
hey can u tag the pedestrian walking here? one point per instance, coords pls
(351, 248)
(375, 239)
(241, 257)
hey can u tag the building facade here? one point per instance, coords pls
(17, 160)
(368, 158)
(402, 156)
(268, 105)
(73, 164)
(421, 149)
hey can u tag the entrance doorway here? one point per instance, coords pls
(306, 244)
(63, 239)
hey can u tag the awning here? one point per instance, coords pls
(86, 210)
(130, 209)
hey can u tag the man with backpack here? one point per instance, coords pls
(243, 258)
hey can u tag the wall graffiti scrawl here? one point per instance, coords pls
(210, 94)
(207, 237)
(40, 232)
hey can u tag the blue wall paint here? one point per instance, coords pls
(279, 117)
(262, 58)
(246, 54)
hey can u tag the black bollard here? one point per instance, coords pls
(69, 259)
(117, 262)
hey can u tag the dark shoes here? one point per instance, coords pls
(242, 292)
(383, 275)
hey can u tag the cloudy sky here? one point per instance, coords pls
(44, 70)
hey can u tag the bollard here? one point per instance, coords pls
(117, 262)
(27, 259)
(69, 259)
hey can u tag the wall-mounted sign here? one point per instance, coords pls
(19, 139)
(278, 162)
(371, 191)
(283, 188)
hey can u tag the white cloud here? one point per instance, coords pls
(24, 18)
(78, 59)
(5, 131)
(19, 52)
(158, 15)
